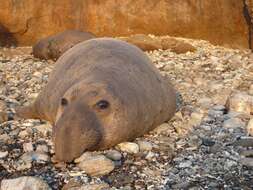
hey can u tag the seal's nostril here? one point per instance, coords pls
(64, 102)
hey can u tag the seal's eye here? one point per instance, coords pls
(64, 102)
(102, 104)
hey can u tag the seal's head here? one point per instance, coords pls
(83, 113)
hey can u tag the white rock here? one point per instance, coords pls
(114, 155)
(28, 147)
(129, 147)
(3, 154)
(35, 156)
(97, 165)
(249, 127)
(145, 146)
(185, 164)
(24, 183)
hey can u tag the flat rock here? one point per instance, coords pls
(96, 165)
(234, 123)
(24, 183)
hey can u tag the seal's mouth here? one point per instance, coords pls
(77, 130)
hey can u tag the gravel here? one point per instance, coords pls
(204, 146)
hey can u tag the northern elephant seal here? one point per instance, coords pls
(54, 46)
(100, 93)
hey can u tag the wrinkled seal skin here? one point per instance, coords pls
(54, 46)
(100, 93)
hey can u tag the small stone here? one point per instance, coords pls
(240, 102)
(42, 148)
(145, 146)
(114, 155)
(28, 147)
(3, 154)
(129, 147)
(185, 164)
(234, 123)
(244, 142)
(23, 134)
(162, 129)
(205, 102)
(4, 138)
(24, 183)
(215, 113)
(207, 142)
(97, 165)
(219, 108)
(21, 165)
(102, 186)
(45, 129)
(249, 127)
(35, 156)
(247, 162)
(196, 118)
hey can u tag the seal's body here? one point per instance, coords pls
(100, 93)
(54, 46)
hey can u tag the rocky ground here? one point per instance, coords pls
(205, 146)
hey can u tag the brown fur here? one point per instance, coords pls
(54, 46)
(84, 78)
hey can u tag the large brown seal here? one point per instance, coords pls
(100, 93)
(54, 46)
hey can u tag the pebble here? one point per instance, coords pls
(24, 183)
(185, 164)
(96, 165)
(42, 148)
(114, 155)
(4, 138)
(23, 134)
(129, 147)
(145, 146)
(102, 186)
(162, 129)
(3, 154)
(240, 102)
(28, 147)
(35, 156)
(45, 129)
(234, 123)
(247, 162)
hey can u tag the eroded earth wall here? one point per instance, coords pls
(219, 21)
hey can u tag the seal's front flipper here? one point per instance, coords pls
(27, 112)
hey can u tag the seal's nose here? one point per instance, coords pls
(77, 130)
